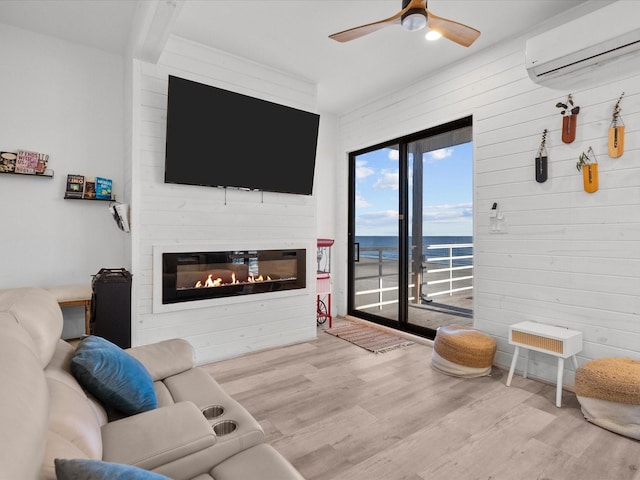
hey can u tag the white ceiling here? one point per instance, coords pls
(292, 35)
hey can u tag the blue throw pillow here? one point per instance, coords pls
(113, 376)
(82, 469)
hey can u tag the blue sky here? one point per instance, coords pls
(448, 192)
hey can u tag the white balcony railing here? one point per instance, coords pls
(376, 276)
(454, 263)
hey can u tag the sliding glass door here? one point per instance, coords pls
(410, 227)
(375, 239)
(440, 223)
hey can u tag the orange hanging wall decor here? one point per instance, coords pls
(588, 164)
(616, 132)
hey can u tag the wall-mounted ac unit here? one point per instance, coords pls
(595, 38)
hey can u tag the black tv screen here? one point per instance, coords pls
(220, 138)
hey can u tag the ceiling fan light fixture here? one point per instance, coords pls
(414, 19)
(433, 35)
(414, 16)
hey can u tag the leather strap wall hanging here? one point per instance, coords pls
(541, 160)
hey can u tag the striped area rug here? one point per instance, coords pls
(373, 339)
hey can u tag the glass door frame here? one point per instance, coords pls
(403, 229)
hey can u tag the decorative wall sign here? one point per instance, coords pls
(569, 119)
(541, 160)
(103, 188)
(8, 162)
(616, 132)
(75, 186)
(24, 162)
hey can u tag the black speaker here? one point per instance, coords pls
(111, 306)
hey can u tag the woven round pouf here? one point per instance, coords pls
(608, 390)
(463, 351)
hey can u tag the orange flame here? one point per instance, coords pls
(211, 282)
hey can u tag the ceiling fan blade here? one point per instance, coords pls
(362, 30)
(454, 31)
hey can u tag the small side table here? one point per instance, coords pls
(557, 341)
(75, 296)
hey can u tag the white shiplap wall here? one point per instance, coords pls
(569, 258)
(183, 215)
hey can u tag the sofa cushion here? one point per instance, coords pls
(38, 312)
(25, 399)
(57, 447)
(159, 437)
(59, 369)
(165, 358)
(258, 462)
(73, 418)
(82, 469)
(113, 376)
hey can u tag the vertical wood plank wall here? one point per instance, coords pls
(569, 258)
(167, 214)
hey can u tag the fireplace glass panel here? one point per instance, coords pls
(201, 275)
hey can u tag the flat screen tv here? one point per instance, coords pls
(220, 138)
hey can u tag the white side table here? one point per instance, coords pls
(557, 341)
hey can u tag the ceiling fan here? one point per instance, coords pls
(414, 16)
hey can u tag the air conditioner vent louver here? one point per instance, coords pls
(594, 58)
(593, 39)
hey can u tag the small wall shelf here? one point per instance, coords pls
(46, 174)
(112, 199)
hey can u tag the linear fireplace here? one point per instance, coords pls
(189, 276)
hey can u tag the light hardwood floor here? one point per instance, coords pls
(337, 411)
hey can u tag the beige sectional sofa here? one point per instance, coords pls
(46, 414)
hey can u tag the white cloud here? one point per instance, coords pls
(394, 154)
(362, 171)
(383, 222)
(361, 202)
(388, 180)
(446, 213)
(437, 155)
(380, 219)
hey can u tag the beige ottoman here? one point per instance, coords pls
(463, 351)
(608, 390)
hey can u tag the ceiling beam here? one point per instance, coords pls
(151, 28)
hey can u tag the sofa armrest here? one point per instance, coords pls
(155, 438)
(166, 358)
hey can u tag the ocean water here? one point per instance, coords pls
(369, 246)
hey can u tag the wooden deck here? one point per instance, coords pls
(427, 308)
(443, 310)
